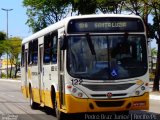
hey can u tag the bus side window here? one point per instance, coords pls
(30, 53)
(35, 52)
(47, 49)
(54, 47)
(22, 58)
(50, 48)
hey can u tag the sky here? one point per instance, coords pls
(16, 19)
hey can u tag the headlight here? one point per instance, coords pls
(143, 88)
(139, 91)
(76, 92)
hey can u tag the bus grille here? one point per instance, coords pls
(109, 103)
(104, 95)
(108, 87)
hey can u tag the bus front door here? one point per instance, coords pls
(40, 74)
(61, 79)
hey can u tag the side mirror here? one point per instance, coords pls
(63, 42)
(149, 40)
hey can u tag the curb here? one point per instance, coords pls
(154, 97)
(10, 80)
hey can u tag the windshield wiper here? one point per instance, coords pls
(91, 46)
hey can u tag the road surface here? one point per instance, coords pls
(13, 106)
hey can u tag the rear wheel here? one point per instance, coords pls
(31, 101)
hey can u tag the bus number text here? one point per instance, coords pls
(77, 81)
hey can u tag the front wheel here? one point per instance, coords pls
(60, 115)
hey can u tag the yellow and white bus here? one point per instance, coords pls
(90, 63)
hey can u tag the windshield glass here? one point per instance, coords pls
(115, 57)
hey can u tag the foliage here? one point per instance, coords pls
(155, 5)
(155, 11)
(2, 37)
(134, 6)
(151, 31)
(153, 52)
(13, 48)
(42, 13)
(3, 75)
(151, 76)
(84, 6)
(110, 6)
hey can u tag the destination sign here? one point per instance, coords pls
(105, 25)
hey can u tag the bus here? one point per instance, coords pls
(88, 63)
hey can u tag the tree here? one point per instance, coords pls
(110, 6)
(14, 52)
(13, 48)
(153, 54)
(42, 13)
(2, 37)
(135, 7)
(155, 4)
(153, 31)
(84, 6)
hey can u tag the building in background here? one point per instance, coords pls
(3, 66)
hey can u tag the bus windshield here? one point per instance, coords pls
(116, 57)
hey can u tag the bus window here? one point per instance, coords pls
(114, 54)
(35, 52)
(54, 39)
(22, 58)
(50, 48)
(30, 53)
(47, 49)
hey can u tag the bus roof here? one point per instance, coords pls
(64, 22)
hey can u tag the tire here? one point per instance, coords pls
(60, 115)
(31, 101)
(53, 97)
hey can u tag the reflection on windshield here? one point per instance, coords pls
(117, 57)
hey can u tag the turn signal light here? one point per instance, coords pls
(69, 86)
(139, 82)
(146, 84)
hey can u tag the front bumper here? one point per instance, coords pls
(76, 105)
